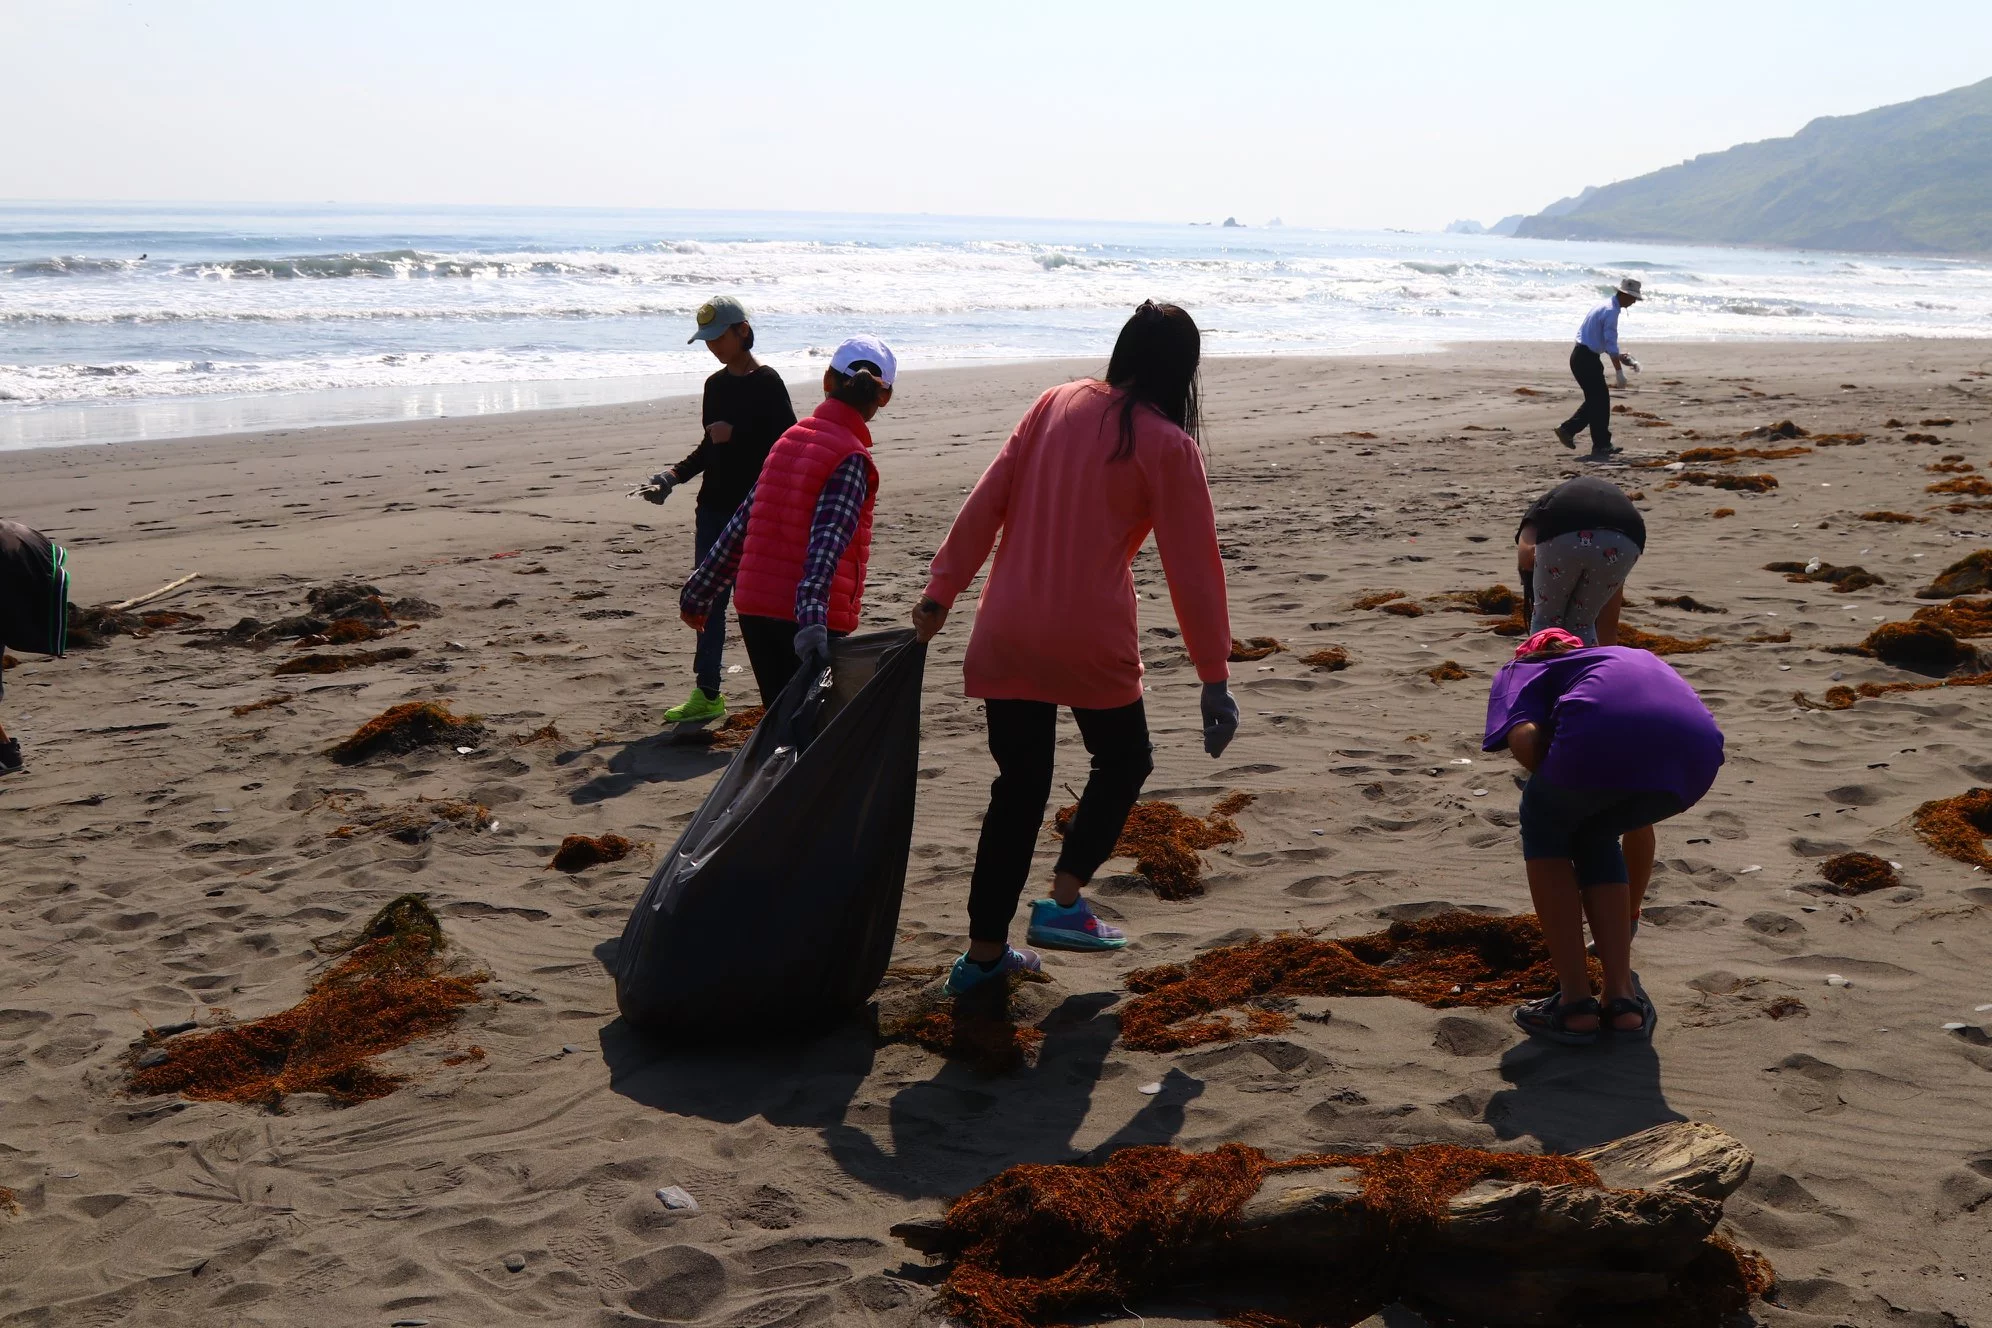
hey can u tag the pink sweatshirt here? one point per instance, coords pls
(1057, 617)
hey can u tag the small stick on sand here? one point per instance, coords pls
(160, 593)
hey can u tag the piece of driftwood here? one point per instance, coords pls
(1505, 1252)
(147, 598)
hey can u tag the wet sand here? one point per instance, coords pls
(164, 858)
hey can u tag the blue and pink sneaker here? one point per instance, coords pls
(1072, 928)
(966, 975)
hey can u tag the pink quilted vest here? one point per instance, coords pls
(784, 506)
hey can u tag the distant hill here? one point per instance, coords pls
(1911, 178)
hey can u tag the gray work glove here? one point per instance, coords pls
(812, 647)
(660, 486)
(1220, 717)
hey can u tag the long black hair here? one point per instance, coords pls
(861, 388)
(1155, 365)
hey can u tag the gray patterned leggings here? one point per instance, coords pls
(1576, 575)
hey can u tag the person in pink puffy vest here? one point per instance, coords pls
(796, 550)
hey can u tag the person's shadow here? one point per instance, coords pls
(662, 758)
(1571, 1098)
(950, 1133)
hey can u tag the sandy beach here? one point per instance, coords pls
(164, 859)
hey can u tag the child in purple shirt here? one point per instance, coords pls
(1615, 740)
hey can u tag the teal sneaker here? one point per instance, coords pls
(967, 975)
(697, 709)
(1072, 928)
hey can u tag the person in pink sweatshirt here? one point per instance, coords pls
(1090, 471)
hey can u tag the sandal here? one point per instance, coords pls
(1548, 1019)
(1640, 1004)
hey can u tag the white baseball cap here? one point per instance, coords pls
(866, 347)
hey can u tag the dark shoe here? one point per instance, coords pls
(10, 756)
(1548, 1019)
(1567, 439)
(1640, 1006)
(1603, 453)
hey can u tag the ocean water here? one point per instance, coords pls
(132, 321)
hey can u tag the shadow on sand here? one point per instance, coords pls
(1575, 1097)
(941, 1136)
(662, 758)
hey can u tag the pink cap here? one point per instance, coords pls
(1547, 637)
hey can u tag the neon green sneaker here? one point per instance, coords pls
(697, 709)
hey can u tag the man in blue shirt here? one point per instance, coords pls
(1598, 336)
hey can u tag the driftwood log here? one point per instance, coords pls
(1508, 1253)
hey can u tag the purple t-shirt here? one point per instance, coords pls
(1616, 718)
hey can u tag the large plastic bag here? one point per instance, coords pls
(775, 912)
(34, 591)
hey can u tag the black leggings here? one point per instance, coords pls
(770, 646)
(1023, 736)
(1589, 371)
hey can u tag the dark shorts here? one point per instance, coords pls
(1584, 825)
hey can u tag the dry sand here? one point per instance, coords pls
(164, 858)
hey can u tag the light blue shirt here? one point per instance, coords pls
(1600, 332)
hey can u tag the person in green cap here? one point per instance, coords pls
(746, 409)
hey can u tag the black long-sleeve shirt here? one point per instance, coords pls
(757, 406)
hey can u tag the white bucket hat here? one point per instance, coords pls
(1630, 286)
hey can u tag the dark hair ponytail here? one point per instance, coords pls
(1155, 365)
(859, 389)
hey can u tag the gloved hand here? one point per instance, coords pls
(812, 647)
(1220, 717)
(660, 487)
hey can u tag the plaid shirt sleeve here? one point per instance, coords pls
(721, 565)
(836, 521)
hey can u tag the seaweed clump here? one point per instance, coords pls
(1858, 873)
(1968, 575)
(357, 659)
(1891, 518)
(1377, 599)
(1454, 959)
(1164, 841)
(1450, 671)
(1782, 429)
(1957, 827)
(405, 728)
(990, 1028)
(1919, 646)
(1737, 483)
(1688, 602)
(1496, 601)
(1660, 643)
(578, 853)
(1960, 617)
(1844, 580)
(414, 822)
(390, 988)
(1705, 455)
(733, 731)
(1257, 647)
(1038, 1242)
(1332, 659)
(1844, 698)
(1970, 486)
(267, 703)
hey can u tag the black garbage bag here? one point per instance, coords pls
(775, 912)
(34, 591)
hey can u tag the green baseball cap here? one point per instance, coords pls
(715, 316)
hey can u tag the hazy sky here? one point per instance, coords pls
(1381, 113)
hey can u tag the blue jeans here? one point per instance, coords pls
(710, 656)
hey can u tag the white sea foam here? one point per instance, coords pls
(317, 299)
